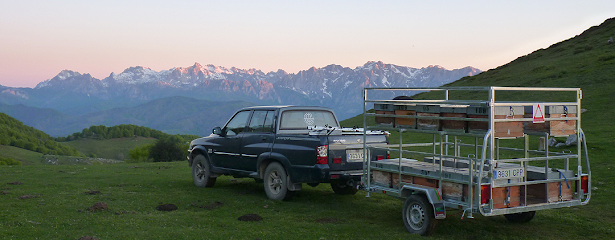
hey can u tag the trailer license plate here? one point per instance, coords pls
(508, 173)
(354, 155)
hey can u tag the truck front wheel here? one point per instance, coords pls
(201, 173)
(418, 215)
(276, 182)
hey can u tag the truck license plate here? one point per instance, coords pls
(508, 173)
(354, 155)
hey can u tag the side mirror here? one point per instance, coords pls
(217, 131)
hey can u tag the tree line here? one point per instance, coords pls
(166, 148)
(101, 132)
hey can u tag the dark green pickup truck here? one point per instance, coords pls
(284, 146)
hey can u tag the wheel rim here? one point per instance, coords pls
(200, 172)
(415, 216)
(275, 182)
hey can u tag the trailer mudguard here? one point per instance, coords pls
(432, 194)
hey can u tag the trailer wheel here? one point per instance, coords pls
(276, 183)
(201, 173)
(418, 215)
(520, 217)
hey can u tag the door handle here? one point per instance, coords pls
(263, 138)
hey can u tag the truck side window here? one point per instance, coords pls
(238, 123)
(268, 126)
(262, 121)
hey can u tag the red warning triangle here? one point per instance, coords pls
(538, 113)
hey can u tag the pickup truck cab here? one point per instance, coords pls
(283, 146)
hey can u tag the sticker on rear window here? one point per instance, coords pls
(308, 118)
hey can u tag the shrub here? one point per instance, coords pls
(9, 161)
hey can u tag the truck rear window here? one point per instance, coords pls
(301, 119)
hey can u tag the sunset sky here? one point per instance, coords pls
(38, 39)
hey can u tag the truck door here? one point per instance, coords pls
(227, 154)
(257, 139)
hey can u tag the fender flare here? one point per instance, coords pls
(199, 149)
(265, 158)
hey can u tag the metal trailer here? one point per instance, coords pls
(492, 159)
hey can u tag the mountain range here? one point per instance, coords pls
(79, 97)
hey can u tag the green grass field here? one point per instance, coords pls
(59, 206)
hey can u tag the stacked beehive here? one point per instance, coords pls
(426, 118)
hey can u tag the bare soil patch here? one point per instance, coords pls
(250, 218)
(167, 207)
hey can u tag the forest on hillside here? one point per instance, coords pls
(15, 133)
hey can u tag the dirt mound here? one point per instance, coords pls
(250, 218)
(167, 207)
(27, 196)
(210, 206)
(98, 206)
(88, 238)
(329, 220)
(15, 183)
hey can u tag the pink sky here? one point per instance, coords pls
(38, 40)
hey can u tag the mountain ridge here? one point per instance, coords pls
(332, 86)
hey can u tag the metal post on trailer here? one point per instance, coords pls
(365, 155)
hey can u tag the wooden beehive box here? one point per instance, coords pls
(405, 110)
(556, 189)
(425, 110)
(458, 111)
(502, 129)
(381, 178)
(555, 127)
(385, 108)
(501, 194)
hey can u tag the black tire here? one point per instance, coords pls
(418, 216)
(342, 188)
(201, 174)
(276, 182)
(520, 217)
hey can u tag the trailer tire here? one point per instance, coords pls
(418, 215)
(520, 217)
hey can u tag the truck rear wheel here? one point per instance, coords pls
(520, 217)
(201, 174)
(418, 215)
(343, 188)
(276, 182)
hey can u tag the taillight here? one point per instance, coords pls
(322, 154)
(485, 193)
(584, 183)
(388, 155)
(379, 157)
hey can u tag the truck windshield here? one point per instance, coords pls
(301, 119)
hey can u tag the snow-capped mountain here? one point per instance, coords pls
(333, 86)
